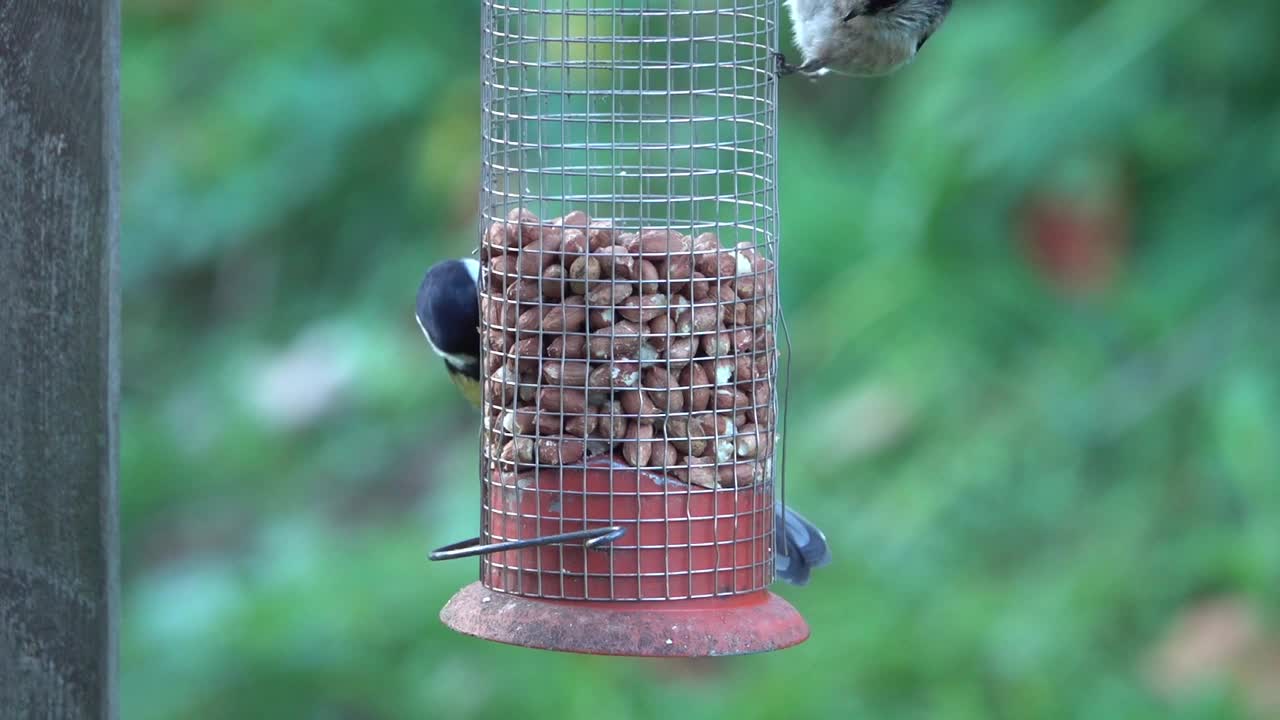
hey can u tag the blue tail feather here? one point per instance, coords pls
(800, 546)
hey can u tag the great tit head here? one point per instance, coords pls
(448, 311)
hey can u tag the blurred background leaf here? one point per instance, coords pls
(1032, 284)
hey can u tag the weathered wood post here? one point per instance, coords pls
(59, 369)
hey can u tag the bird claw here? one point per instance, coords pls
(783, 67)
(811, 69)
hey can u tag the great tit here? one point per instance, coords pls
(448, 311)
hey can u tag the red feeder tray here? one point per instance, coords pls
(680, 571)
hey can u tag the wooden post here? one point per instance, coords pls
(59, 369)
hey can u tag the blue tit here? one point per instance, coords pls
(801, 546)
(448, 312)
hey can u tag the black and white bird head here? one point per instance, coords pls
(448, 311)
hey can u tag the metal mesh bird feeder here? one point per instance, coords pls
(628, 318)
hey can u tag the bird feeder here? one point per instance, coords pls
(629, 315)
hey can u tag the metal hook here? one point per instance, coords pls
(472, 547)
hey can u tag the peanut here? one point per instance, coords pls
(565, 401)
(649, 282)
(701, 476)
(575, 219)
(620, 340)
(560, 451)
(520, 451)
(518, 421)
(664, 455)
(689, 434)
(537, 256)
(720, 371)
(499, 313)
(739, 474)
(699, 318)
(497, 341)
(530, 320)
(614, 375)
(663, 390)
(568, 347)
(611, 421)
(523, 291)
(601, 234)
(659, 332)
(522, 227)
(610, 294)
(566, 373)
(728, 399)
(553, 282)
(616, 262)
(575, 244)
(502, 270)
(674, 273)
(643, 308)
(656, 244)
(694, 377)
(580, 425)
(703, 243)
(498, 238)
(637, 446)
(527, 353)
(569, 317)
(680, 351)
(584, 269)
(600, 318)
(638, 403)
(752, 441)
(719, 263)
(700, 287)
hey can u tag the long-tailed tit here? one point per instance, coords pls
(860, 37)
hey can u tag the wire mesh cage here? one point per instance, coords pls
(629, 316)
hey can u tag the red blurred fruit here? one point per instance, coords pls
(1078, 244)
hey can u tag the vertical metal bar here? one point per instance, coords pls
(777, 400)
(487, 216)
(59, 358)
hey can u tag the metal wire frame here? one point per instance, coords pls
(654, 114)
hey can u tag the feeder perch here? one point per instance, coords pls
(630, 452)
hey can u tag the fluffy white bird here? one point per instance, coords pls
(860, 37)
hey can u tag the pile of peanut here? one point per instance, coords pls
(650, 345)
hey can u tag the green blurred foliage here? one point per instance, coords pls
(1032, 448)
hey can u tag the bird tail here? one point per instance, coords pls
(801, 546)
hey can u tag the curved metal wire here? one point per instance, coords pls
(472, 547)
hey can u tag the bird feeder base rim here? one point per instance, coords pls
(708, 627)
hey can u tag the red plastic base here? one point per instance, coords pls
(733, 625)
(678, 540)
